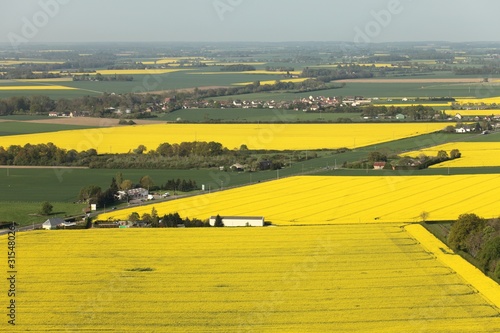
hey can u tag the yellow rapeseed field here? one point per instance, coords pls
(414, 104)
(473, 113)
(347, 278)
(58, 79)
(171, 60)
(338, 200)
(474, 154)
(483, 284)
(249, 73)
(47, 87)
(488, 100)
(255, 136)
(135, 71)
(274, 81)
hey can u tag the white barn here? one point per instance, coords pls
(240, 221)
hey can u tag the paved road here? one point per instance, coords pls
(18, 229)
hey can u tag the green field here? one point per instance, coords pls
(380, 90)
(63, 185)
(142, 83)
(15, 128)
(254, 115)
(26, 213)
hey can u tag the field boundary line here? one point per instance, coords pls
(489, 289)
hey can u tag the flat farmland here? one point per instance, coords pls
(380, 89)
(254, 115)
(310, 200)
(474, 154)
(346, 278)
(255, 136)
(23, 127)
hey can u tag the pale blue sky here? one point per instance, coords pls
(249, 20)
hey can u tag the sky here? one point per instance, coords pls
(366, 21)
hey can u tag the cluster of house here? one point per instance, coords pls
(133, 194)
(69, 114)
(310, 104)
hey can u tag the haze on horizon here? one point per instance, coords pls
(366, 21)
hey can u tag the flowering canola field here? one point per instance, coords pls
(487, 100)
(270, 82)
(474, 154)
(44, 87)
(255, 136)
(338, 200)
(134, 71)
(346, 278)
(473, 113)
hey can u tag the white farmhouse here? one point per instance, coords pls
(52, 223)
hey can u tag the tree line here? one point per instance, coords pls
(237, 68)
(339, 73)
(172, 220)
(480, 238)
(397, 162)
(185, 155)
(413, 112)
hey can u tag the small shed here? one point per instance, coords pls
(240, 221)
(52, 223)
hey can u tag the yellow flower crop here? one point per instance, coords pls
(338, 200)
(255, 136)
(270, 82)
(474, 154)
(345, 278)
(48, 87)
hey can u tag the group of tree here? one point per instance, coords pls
(93, 194)
(185, 155)
(397, 162)
(480, 238)
(237, 68)
(413, 112)
(102, 78)
(280, 69)
(338, 73)
(195, 148)
(172, 220)
(486, 70)
(180, 185)
(98, 106)
(45, 155)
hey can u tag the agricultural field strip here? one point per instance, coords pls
(347, 298)
(273, 81)
(247, 73)
(39, 87)
(302, 200)
(474, 154)
(261, 136)
(472, 275)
